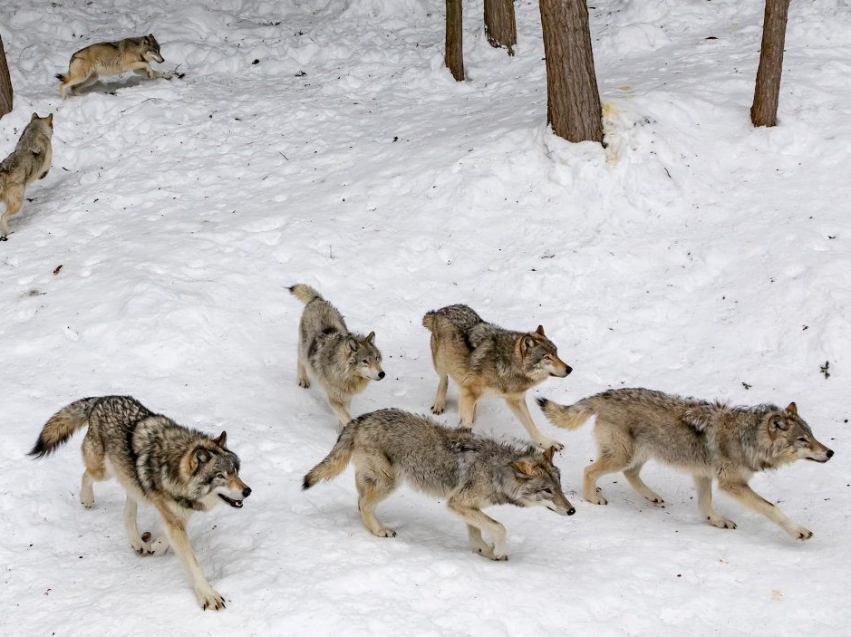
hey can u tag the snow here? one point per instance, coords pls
(695, 255)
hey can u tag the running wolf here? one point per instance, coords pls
(484, 359)
(342, 362)
(29, 161)
(389, 446)
(111, 58)
(176, 469)
(711, 441)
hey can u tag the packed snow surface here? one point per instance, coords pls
(323, 142)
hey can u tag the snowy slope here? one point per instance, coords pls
(321, 141)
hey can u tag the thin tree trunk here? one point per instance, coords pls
(5, 83)
(573, 101)
(500, 25)
(454, 57)
(766, 95)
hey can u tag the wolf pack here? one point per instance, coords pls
(179, 470)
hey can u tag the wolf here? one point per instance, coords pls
(709, 440)
(111, 58)
(484, 359)
(178, 470)
(29, 161)
(472, 472)
(341, 361)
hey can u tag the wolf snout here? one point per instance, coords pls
(246, 492)
(380, 375)
(571, 511)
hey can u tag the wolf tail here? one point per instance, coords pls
(336, 461)
(567, 416)
(62, 426)
(61, 77)
(304, 293)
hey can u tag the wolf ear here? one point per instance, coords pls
(523, 468)
(370, 338)
(49, 120)
(34, 117)
(201, 455)
(352, 344)
(778, 422)
(792, 409)
(548, 454)
(526, 343)
(540, 330)
(222, 440)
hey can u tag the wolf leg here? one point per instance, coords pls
(638, 484)
(467, 398)
(750, 499)
(175, 528)
(704, 504)
(86, 83)
(341, 410)
(131, 526)
(477, 522)
(373, 487)
(440, 399)
(301, 371)
(518, 405)
(13, 197)
(605, 464)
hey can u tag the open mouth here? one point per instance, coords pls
(236, 504)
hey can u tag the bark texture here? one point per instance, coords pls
(766, 95)
(5, 83)
(573, 100)
(500, 24)
(454, 56)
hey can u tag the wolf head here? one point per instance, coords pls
(539, 483)
(44, 124)
(151, 50)
(539, 356)
(790, 438)
(214, 471)
(364, 357)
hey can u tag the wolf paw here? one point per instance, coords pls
(158, 546)
(208, 598)
(800, 533)
(438, 409)
(596, 498)
(4, 238)
(656, 499)
(721, 523)
(303, 382)
(384, 532)
(546, 443)
(488, 552)
(140, 546)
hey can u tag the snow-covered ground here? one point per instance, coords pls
(322, 141)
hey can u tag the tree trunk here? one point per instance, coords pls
(573, 101)
(5, 83)
(454, 57)
(767, 92)
(500, 26)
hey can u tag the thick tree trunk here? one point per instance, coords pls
(573, 101)
(5, 83)
(500, 25)
(767, 92)
(454, 57)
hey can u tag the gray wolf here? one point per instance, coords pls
(176, 469)
(711, 441)
(472, 472)
(29, 161)
(111, 58)
(341, 361)
(484, 359)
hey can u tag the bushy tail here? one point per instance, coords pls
(62, 426)
(60, 77)
(304, 293)
(566, 416)
(335, 462)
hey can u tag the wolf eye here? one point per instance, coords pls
(803, 440)
(547, 490)
(221, 476)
